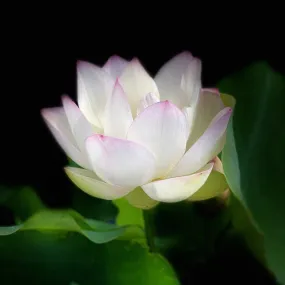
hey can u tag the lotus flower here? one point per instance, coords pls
(147, 139)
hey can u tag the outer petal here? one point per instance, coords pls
(57, 123)
(179, 188)
(115, 66)
(91, 184)
(94, 88)
(206, 147)
(147, 101)
(120, 162)
(139, 199)
(79, 125)
(168, 79)
(208, 106)
(118, 116)
(162, 128)
(215, 185)
(136, 83)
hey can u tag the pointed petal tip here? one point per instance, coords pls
(212, 90)
(135, 62)
(185, 53)
(45, 113)
(66, 99)
(48, 112)
(114, 57)
(81, 64)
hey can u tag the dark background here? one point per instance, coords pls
(39, 65)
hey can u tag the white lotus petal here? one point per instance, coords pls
(72, 112)
(58, 124)
(94, 88)
(118, 116)
(147, 101)
(139, 199)
(91, 184)
(115, 66)
(79, 125)
(189, 115)
(206, 147)
(120, 162)
(179, 188)
(162, 128)
(191, 81)
(208, 106)
(168, 79)
(137, 83)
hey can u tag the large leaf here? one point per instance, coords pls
(67, 221)
(255, 151)
(49, 258)
(31, 214)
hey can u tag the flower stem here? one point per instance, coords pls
(149, 229)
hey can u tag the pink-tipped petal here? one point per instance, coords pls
(120, 162)
(179, 188)
(168, 79)
(58, 124)
(79, 125)
(206, 147)
(118, 115)
(147, 101)
(91, 184)
(136, 83)
(94, 88)
(115, 66)
(162, 128)
(208, 106)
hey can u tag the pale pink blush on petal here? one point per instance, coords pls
(213, 90)
(115, 66)
(120, 162)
